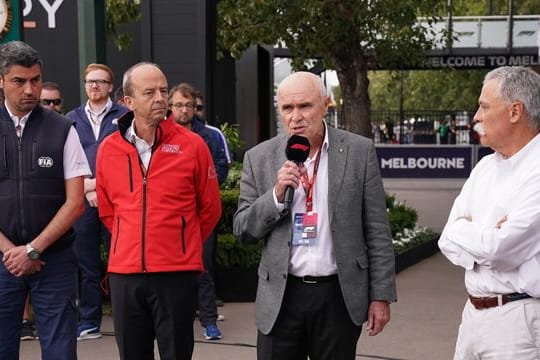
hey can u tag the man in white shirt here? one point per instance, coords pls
(493, 230)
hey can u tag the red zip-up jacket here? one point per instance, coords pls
(160, 217)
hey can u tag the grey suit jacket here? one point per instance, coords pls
(358, 222)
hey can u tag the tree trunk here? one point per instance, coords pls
(354, 83)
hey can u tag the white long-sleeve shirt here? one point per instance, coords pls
(506, 259)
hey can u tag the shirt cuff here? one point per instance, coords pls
(279, 206)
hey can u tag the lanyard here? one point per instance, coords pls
(309, 184)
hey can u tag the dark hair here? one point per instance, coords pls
(18, 53)
(198, 95)
(49, 85)
(185, 89)
(119, 94)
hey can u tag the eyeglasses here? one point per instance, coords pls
(199, 107)
(98, 82)
(48, 102)
(179, 106)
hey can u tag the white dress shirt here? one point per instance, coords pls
(75, 162)
(97, 117)
(317, 259)
(143, 148)
(506, 259)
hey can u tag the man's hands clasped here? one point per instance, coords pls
(19, 264)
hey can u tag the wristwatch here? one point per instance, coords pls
(32, 253)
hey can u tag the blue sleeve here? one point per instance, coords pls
(218, 154)
(221, 163)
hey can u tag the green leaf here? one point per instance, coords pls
(118, 13)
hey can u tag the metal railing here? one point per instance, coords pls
(417, 126)
(488, 31)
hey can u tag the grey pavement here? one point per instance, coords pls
(424, 322)
(432, 198)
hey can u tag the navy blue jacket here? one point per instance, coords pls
(32, 185)
(220, 159)
(86, 135)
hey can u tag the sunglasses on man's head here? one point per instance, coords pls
(55, 102)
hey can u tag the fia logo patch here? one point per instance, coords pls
(45, 162)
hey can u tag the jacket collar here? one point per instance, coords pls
(164, 127)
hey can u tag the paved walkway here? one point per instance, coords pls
(424, 323)
(432, 198)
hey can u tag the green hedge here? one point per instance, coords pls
(229, 204)
(233, 177)
(232, 253)
(400, 216)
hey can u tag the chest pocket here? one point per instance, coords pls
(3, 156)
(44, 159)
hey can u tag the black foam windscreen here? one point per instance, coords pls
(297, 148)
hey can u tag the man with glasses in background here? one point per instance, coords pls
(51, 97)
(94, 120)
(182, 105)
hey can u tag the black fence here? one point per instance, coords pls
(418, 127)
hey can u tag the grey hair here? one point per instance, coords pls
(518, 83)
(316, 80)
(18, 53)
(127, 83)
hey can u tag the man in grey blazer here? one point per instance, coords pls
(327, 264)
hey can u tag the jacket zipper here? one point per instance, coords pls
(145, 188)
(130, 170)
(5, 152)
(33, 157)
(117, 234)
(143, 263)
(183, 234)
(21, 190)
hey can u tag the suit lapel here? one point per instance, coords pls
(337, 158)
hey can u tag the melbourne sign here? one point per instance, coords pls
(425, 161)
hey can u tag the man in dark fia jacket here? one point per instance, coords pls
(42, 166)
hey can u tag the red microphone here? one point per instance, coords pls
(298, 151)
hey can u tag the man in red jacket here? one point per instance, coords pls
(158, 193)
